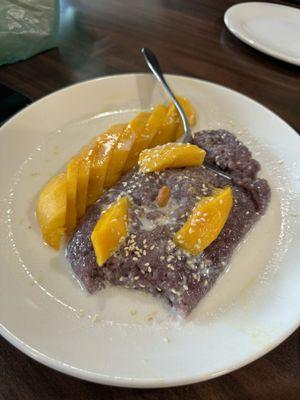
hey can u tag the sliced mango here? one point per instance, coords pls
(171, 155)
(98, 168)
(205, 222)
(103, 150)
(101, 164)
(137, 125)
(72, 179)
(110, 230)
(83, 180)
(190, 113)
(166, 132)
(152, 123)
(51, 210)
(121, 151)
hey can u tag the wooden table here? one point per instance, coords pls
(189, 36)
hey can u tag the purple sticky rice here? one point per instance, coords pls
(148, 259)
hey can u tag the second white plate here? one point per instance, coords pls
(271, 28)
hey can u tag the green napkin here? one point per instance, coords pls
(27, 27)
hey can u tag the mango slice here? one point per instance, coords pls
(150, 126)
(154, 123)
(172, 128)
(190, 113)
(72, 179)
(85, 162)
(103, 150)
(205, 222)
(137, 125)
(51, 210)
(122, 149)
(171, 155)
(98, 168)
(110, 230)
(167, 131)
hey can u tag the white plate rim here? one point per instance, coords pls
(256, 45)
(137, 382)
(130, 382)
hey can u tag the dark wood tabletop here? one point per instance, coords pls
(104, 37)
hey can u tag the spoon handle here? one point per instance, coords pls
(154, 66)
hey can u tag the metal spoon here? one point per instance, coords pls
(154, 66)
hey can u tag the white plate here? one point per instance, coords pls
(271, 28)
(122, 337)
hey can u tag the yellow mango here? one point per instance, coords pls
(83, 180)
(171, 155)
(154, 123)
(101, 164)
(51, 210)
(190, 113)
(121, 151)
(148, 130)
(98, 168)
(110, 230)
(72, 179)
(166, 132)
(103, 150)
(137, 125)
(205, 222)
